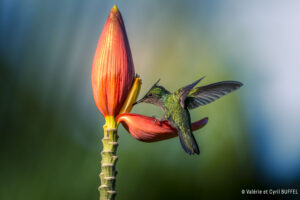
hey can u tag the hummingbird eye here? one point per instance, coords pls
(150, 95)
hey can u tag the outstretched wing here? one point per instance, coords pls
(201, 96)
(185, 91)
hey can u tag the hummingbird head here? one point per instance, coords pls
(154, 95)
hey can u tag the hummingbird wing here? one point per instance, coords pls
(186, 90)
(201, 96)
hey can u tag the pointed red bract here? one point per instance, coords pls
(144, 128)
(113, 70)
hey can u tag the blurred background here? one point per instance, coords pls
(51, 129)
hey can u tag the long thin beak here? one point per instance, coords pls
(139, 101)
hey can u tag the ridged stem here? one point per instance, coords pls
(110, 144)
(109, 160)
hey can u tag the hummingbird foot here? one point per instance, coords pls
(159, 120)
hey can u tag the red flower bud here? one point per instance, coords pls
(113, 70)
(144, 128)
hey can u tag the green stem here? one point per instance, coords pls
(109, 160)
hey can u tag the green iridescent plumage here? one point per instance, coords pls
(176, 106)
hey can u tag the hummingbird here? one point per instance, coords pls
(176, 106)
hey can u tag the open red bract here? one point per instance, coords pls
(144, 128)
(113, 70)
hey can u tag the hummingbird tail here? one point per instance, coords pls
(189, 144)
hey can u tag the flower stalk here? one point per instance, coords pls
(109, 159)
